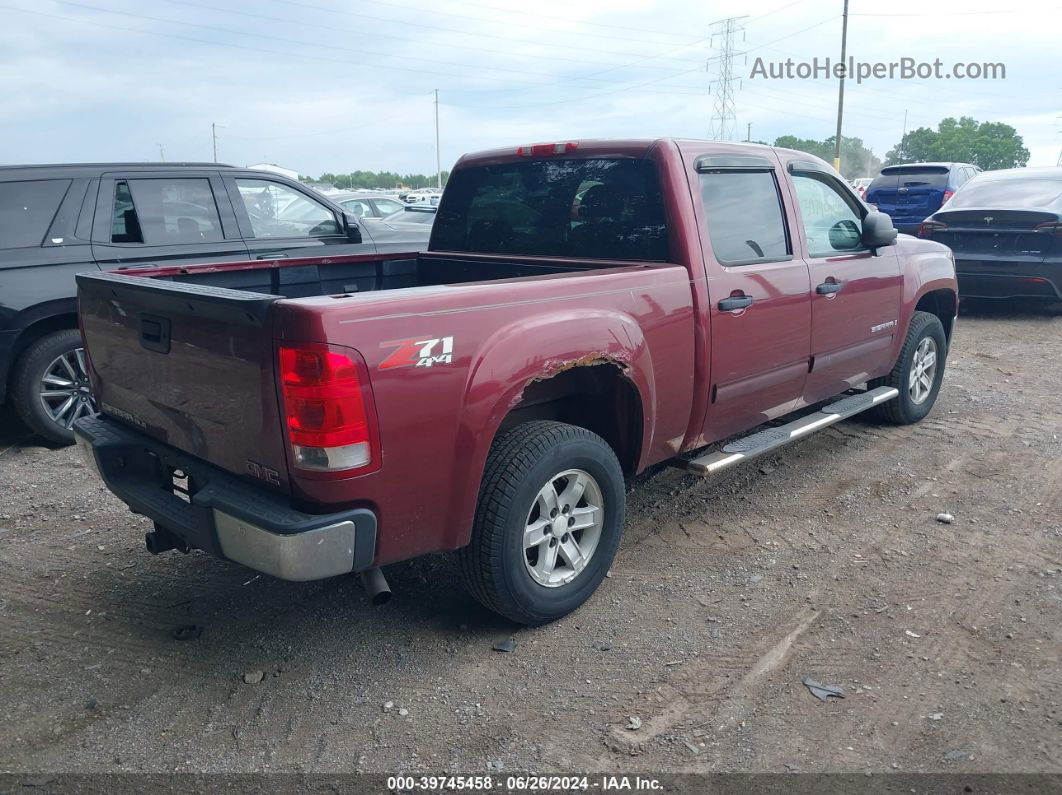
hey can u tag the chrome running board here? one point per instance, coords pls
(764, 441)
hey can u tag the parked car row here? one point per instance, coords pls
(1004, 227)
(1005, 230)
(56, 221)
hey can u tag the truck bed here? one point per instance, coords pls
(300, 278)
(187, 354)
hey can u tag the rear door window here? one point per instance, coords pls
(360, 207)
(593, 208)
(165, 212)
(27, 210)
(745, 220)
(388, 206)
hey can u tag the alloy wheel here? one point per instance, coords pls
(65, 390)
(563, 528)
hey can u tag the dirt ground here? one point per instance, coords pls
(824, 561)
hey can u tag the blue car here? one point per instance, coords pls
(911, 192)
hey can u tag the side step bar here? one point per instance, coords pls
(764, 441)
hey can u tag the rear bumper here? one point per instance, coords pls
(1000, 279)
(223, 514)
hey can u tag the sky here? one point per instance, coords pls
(338, 85)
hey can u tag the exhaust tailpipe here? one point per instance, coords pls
(376, 586)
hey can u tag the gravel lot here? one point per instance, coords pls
(825, 561)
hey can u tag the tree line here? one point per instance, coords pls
(378, 179)
(990, 145)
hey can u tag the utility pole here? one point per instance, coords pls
(162, 153)
(903, 143)
(840, 90)
(748, 133)
(438, 156)
(214, 136)
(721, 127)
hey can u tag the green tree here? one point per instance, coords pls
(381, 179)
(857, 160)
(990, 145)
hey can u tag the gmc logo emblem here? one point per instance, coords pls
(255, 469)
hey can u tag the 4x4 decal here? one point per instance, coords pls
(418, 352)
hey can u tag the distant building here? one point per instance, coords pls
(273, 167)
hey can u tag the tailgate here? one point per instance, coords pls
(190, 365)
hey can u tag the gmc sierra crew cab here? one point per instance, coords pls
(584, 310)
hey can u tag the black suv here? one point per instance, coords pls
(59, 220)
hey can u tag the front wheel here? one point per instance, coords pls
(548, 522)
(918, 372)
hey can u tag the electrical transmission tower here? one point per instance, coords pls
(724, 40)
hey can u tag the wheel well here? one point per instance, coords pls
(943, 304)
(44, 326)
(597, 397)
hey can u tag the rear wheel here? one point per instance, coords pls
(548, 522)
(918, 372)
(50, 389)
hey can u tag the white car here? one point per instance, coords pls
(423, 197)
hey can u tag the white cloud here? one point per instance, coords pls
(327, 85)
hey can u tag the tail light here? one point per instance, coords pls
(327, 408)
(947, 195)
(928, 228)
(1050, 228)
(540, 150)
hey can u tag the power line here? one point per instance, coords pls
(359, 51)
(723, 118)
(464, 32)
(333, 29)
(523, 13)
(525, 21)
(257, 49)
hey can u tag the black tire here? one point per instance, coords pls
(521, 461)
(903, 410)
(26, 384)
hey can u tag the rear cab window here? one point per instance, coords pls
(27, 209)
(588, 208)
(1016, 193)
(912, 176)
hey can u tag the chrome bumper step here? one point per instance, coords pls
(764, 441)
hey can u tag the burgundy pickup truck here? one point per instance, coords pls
(585, 310)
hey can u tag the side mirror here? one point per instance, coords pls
(878, 230)
(350, 225)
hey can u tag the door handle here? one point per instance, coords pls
(276, 255)
(829, 288)
(735, 302)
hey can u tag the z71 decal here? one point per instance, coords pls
(418, 353)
